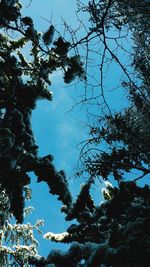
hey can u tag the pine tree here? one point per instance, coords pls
(115, 233)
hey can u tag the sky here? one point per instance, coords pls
(57, 129)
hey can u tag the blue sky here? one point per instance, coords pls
(56, 130)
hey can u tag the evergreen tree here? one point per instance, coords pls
(23, 82)
(115, 233)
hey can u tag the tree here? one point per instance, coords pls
(116, 232)
(17, 241)
(23, 82)
(124, 134)
(18, 99)
(110, 235)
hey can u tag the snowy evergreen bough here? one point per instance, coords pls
(23, 82)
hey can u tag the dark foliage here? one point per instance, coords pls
(115, 233)
(124, 134)
(112, 234)
(18, 96)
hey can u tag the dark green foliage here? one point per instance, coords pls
(115, 233)
(57, 182)
(18, 96)
(27, 21)
(83, 206)
(74, 69)
(48, 35)
(61, 47)
(127, 140)
(125, 135)
(9, 11)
